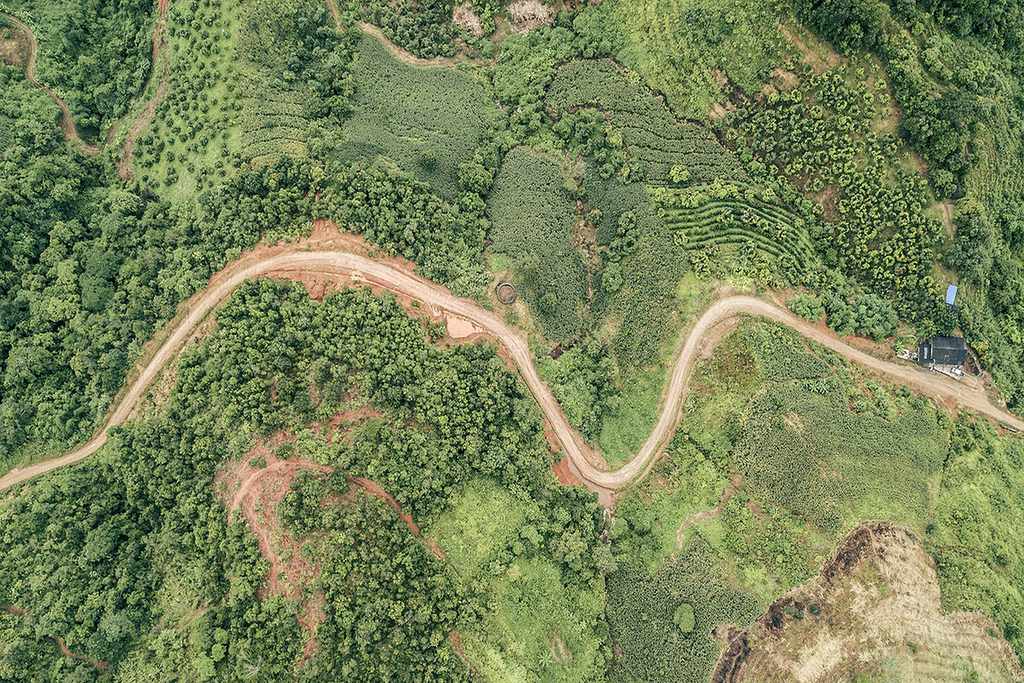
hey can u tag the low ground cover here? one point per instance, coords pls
(532, 222)
(536, 623)
(428, 121)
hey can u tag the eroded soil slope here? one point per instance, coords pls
(873, 609)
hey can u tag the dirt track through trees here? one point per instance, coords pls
(67, 124)
(584, 463)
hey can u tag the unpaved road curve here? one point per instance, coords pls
(67, 124)
(592, 471)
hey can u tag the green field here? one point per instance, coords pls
(427, 121)
(657, 641)
(676, 45)
(193, 140)
(537, 624)
(326, 486)
(532, 223)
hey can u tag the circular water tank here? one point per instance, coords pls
(506, 293)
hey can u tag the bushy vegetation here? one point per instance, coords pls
(298, 78)
(96, 55)
(637, 283)
(972, 538)
(430, 122)
(390, 604)
(773, 244)
(536, 623)
(643, 610)
(582, 379)
(781, 450)
(532, 222)
(868, 316)
(423, 27)
(823, 138)
(954, 75)
(877, 460)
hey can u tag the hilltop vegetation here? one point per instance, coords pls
(374, 575)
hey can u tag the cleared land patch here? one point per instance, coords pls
(874, 609)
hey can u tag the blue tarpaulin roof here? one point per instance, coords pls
(951, 295)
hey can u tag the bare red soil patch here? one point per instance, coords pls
(564, 474)
(256, 488)
(257, 492)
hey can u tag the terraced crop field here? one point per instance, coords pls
(734, 221)
(654, 139)
(274, 122)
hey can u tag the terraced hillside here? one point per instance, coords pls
(709, 216)
(654, 139)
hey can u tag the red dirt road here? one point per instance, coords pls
(585, 464)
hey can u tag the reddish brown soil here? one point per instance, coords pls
(346, 419)
(375, 489)
(258, 491)
(564, 474)
(460, 650)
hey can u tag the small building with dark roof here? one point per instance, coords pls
(942, 351)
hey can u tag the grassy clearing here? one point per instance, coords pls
(486, 519)
(804, 447)
(427, 120)
(677, 45)
(193, 140)
(537, 625)
(975, 535)
(636, 411)
(532, 223)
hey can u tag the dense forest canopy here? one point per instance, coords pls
(326, 486)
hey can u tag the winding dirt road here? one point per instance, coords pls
(589, 466)
(67, 124)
